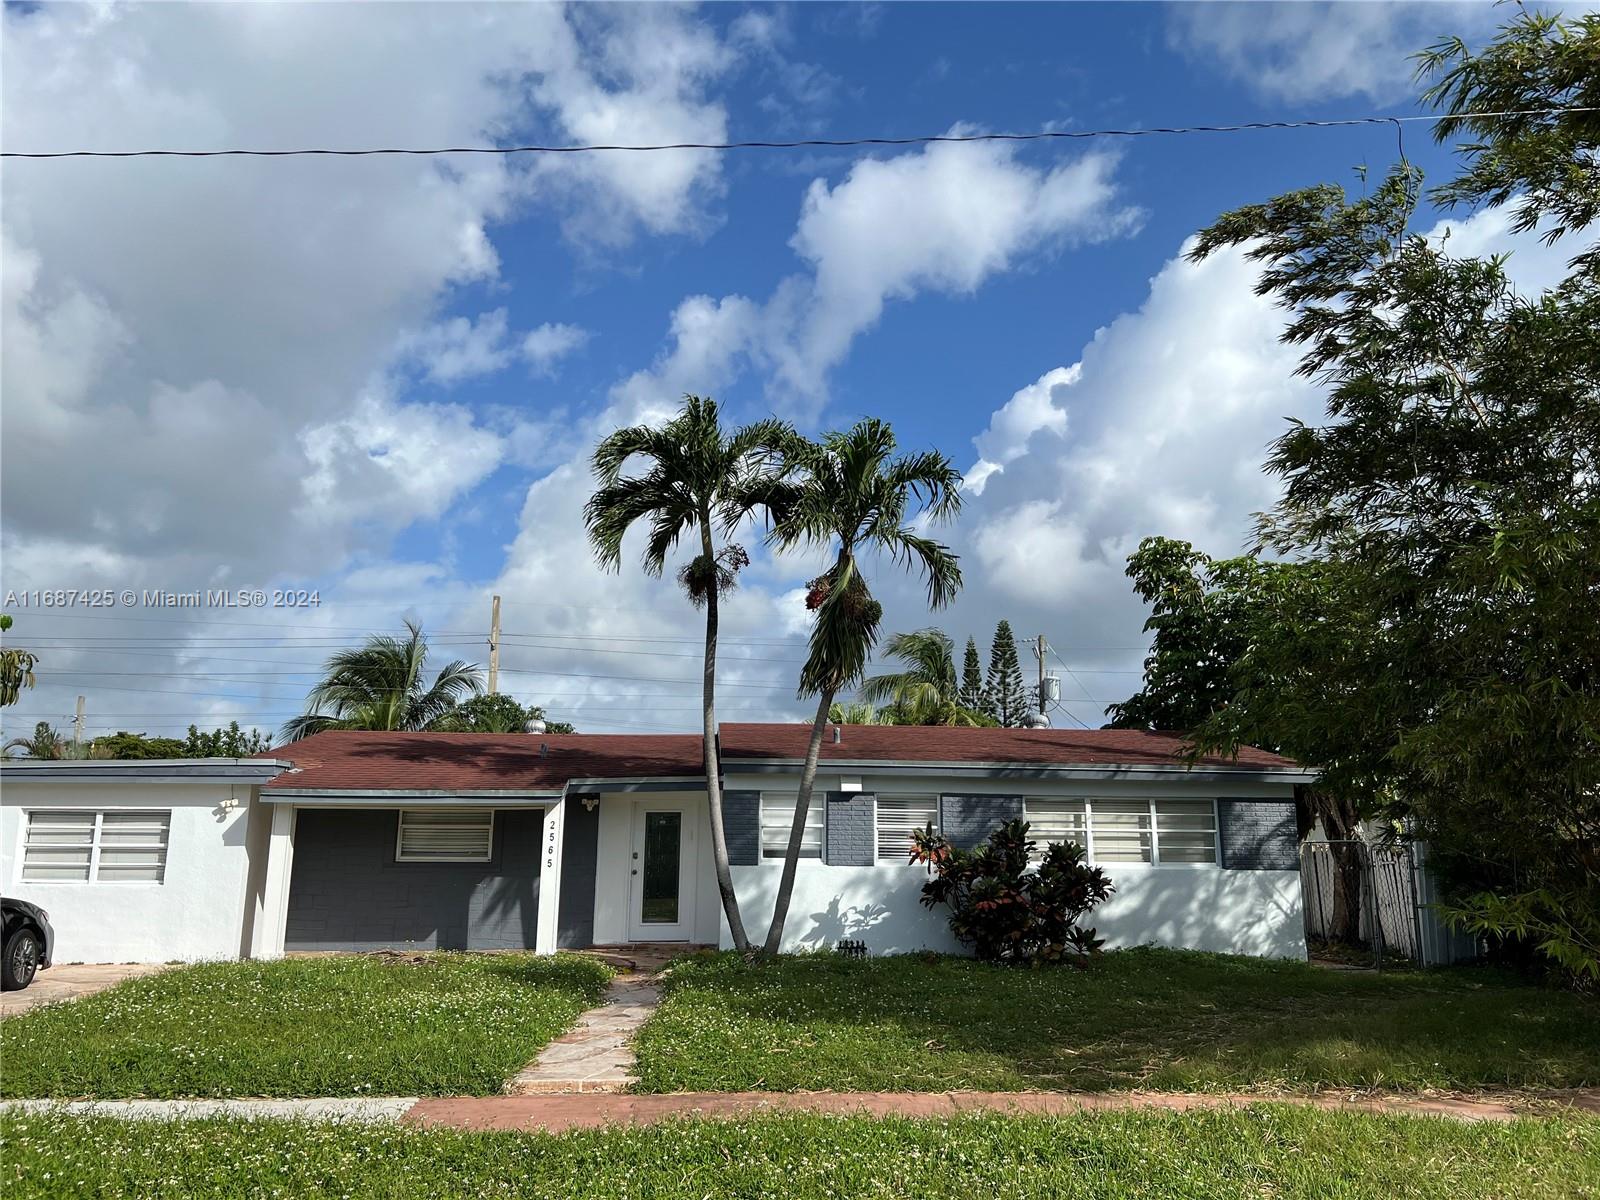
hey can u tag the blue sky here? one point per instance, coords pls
(379, 378)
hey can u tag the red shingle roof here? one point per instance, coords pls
(932, 743)
(466, 762)
(481, 761)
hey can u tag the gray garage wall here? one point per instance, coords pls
(346, 892)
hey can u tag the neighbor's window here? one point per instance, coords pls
(898, 818)
(777, 819)
(445, 835)
(80, 846)
(1054, 821)
(1186, 831)
(1119, 831)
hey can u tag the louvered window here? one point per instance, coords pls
(80, 846)
(898, 818)
(1186, 831)
(1054, 821)
(1120, 830)
(445, 835)
(777, 820)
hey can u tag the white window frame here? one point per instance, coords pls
(1155, 834)
(816, 816)
(93, 878)
(1041, 843)
(877, 824)
(415, 859)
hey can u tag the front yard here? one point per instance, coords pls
(400, 1025)
(1156, 1019)
(1271, 1151)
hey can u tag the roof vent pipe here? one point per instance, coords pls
(544, 749)
(838, 735)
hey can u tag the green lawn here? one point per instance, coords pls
(1271, 1151)
(1138, 1018)
(342, 1026)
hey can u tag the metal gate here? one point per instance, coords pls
(1361, 903)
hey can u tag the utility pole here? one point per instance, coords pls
(494, 646)
(77, 725)
(1038, 650)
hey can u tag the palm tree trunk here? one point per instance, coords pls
(791, 856)
(719, 835)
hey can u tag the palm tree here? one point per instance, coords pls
(926, 692)
(45, 743)
(699, 481)
(854, 496)
(16, 668)
(857, 712)
(380, 686)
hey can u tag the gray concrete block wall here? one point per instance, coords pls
(969, 820)
(741, 823)
(580, 849)
(1258, 835)
(347, 892)
(850, 829)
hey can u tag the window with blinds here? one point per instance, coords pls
(777, 820)
(445, 835)
(898, 818)
(1119, 831)
(1186, 831)
(84, 846)
(1052, 821)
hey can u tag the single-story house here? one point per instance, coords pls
(366, 840)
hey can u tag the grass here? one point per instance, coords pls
(1147, 1018)
(432, 1024)
(1269, 1151)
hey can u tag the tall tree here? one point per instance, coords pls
(970, 695)
(1007, 694)
(231, 742)
(497, 712)
(1454, 488)
(702, 482)
(926, 692)
(380, 685)
(854, 497)
(45, 743)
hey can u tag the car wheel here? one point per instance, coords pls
(21, 960)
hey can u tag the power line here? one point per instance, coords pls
(799, 143)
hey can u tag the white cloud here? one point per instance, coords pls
(547, 345)
(1300, 52)
(461, 348)
(1038, 407)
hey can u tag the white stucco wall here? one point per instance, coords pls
(197, 912)
(1184, 907)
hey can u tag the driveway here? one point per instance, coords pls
(68, 981)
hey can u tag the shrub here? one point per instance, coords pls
(1003, 907)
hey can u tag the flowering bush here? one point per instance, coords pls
(1006, 908)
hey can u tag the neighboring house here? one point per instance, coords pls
(355, 841)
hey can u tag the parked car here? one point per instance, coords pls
(26, 942)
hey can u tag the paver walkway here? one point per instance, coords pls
(597, 1056)
(559, 1113)
(69, 981)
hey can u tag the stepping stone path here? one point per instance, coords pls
(597, 1056)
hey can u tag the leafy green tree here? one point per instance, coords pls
(925, 693)
(1006, 694)
(45, 743)
(857, 712)
(702, 482)
(16, 668)
(231, 742)
(496, 712)
(135, 745)
(855, 496)
(380, 685)
(970, 696)
(1453, 491)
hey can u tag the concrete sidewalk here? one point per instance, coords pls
(556, 1114)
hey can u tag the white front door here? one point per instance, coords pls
(661, 880)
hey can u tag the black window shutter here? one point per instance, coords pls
(741, 822)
